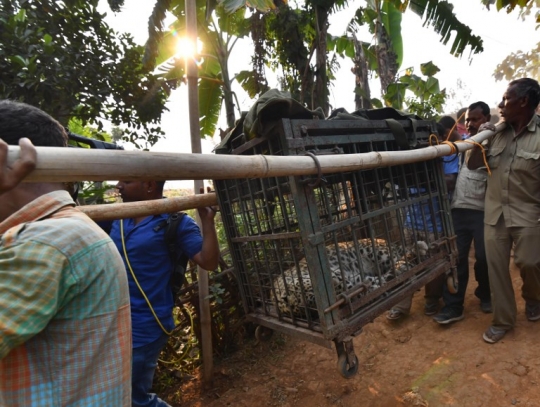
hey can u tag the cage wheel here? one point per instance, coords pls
(263, 334)
(452, 284)
(346, 370)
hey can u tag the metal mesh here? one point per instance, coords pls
(318, 257)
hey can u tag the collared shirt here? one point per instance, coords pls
(150, 261)
(64, 310)
(470, 192)
(513, 189)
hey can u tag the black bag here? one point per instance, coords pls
(179, 259)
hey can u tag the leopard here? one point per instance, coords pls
(373, 264)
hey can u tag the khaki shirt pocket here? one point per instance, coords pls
(494, 156)
(475, 187)
(527, 161)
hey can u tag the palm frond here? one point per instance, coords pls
(439, 14)
(231, 6)
(155, 33)
(210, 100)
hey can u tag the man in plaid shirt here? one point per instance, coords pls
(65, 330)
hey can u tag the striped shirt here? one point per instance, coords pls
(65, 335)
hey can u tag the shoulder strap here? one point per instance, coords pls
(179, 260)
(170, 233)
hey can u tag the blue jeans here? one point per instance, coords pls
(143, 368)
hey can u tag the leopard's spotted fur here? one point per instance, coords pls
(347, 266)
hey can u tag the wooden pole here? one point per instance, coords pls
(79, 164)
(194, 126)
(147, 208)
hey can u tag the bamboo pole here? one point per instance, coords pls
(194, 126)
(79, 164)
(147, 208)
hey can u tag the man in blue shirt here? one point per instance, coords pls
(142, 245)
(423, 222)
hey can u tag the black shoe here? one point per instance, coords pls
(431, 309)
(447, 316)
(485, 306)
(532, 311)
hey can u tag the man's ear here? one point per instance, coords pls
(147, 186)
(524, 101)
(151, 186)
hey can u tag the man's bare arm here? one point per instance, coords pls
(208, 257)
(475, 158)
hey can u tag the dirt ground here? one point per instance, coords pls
(413, 362)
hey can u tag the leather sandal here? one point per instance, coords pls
(394, 314)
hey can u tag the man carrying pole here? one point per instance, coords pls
(512, 211)
(143, 245)
(64, 303)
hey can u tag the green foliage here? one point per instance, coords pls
(427, 98)
(287, 35)
(343, 45)
(116, 5)
(216, 293)
(218, 34)
(248, 81)
(395, 95)
(155, 32)
(91, 192)
(429, 69)
(519, 65)
(439, 14)
(76, 126)
(63, 58)
(94, 193)
(231, 6)
(509, 5)
(390, 15)
(391, 19)
(429, 109)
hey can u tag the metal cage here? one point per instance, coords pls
(319, 257)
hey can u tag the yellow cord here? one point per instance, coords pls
(137, 282)
(434, 140)
(483, 153)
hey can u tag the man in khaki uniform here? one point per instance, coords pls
(512, 210)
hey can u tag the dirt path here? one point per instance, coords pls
(413, 362)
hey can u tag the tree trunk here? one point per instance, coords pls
(362, 92)
(258, 35)
(227, 94)
(320, 94)
(386, 58)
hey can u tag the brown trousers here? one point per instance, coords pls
(498, 241)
